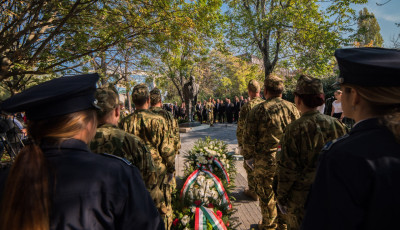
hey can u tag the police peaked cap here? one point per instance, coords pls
(56, 97)
(369, 66)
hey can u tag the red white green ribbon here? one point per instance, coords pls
(218, 184)
(220, 188)
(200, 221)
(189, 181)
(203, 215)
(221, 166)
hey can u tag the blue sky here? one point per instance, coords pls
(387, 15)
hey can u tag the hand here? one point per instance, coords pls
(170, 177)
(282, 209)
(250, 163)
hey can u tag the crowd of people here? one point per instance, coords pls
(307, 169)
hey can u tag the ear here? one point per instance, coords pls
(355, 97)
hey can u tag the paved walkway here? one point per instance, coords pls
(248, 211)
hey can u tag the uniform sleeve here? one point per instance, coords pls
(251, 133)
(286, 170)
(240, 125)
(139, 211)
(166, 147)
(177, 135)
(142, 159)
(338, 195)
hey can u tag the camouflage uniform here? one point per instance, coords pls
(154, 131)
(210, 112)
(112, 140)
(297, 162)
(264, 128)
(155, 96)
(254, 87)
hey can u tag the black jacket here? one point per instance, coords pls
(94, 191)
(357, 185)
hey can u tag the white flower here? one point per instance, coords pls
(186, 228)
(215, 194)
(193, 209)
(201, 193)
(201, 174)
(210, 161)
(185, 220)
(210, 183)
(209, 194)
(190, 194)
(202, 160)
(223, 156)
(227, 166)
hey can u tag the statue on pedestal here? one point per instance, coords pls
(190, 92)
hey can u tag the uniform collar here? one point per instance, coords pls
(274, 99)
(310, 113)
(107, 126)
(372, 123)
(155, 108)
(69, 144)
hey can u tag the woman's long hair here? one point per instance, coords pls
(25, 202)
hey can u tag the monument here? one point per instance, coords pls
(190, 92)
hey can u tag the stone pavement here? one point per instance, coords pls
(248, 211)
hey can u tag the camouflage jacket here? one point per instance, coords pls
(209, 107)
(244, 111)
(112, 140)
(153, 130)
(301, 144)
(172, 124)
(264, 128)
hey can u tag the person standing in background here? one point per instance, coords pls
(337, 111)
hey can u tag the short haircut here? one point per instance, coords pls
(140, 101)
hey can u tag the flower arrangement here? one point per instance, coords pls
(202, 202)
(213, 154)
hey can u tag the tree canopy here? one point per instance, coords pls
(368, 29)
(297, 34)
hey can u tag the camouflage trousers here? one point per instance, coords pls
(264, 178)
(250, 178)
(210, 118)
(168, 215)
(295, 210)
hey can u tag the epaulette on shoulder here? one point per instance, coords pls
(329, 145)
(117, 157)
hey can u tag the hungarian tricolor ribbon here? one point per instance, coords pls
(221, 166)
(203, 214)
(218, 184)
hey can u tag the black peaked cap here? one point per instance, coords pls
(56, 97)
(369, 66)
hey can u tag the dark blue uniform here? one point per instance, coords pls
(357, 185)
(90, 191)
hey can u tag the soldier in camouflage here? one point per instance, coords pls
(300, 147)
(254, 93)
(153, 130)
(112, 140)
(264, 128)
(156, 107)
(210, 111)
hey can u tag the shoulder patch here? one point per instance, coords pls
(117, 157)
(331, 143)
